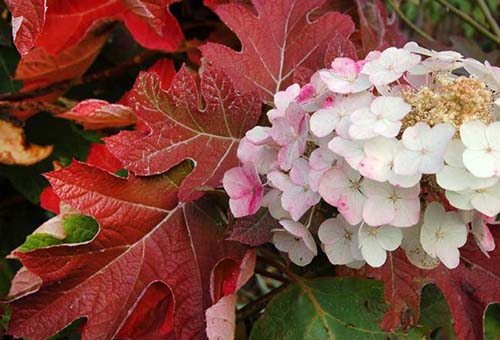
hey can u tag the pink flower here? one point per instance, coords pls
(263, 156)
(297, 195)
(345, 77)
(342, 188)
(281, 100)
(290, 132)
(244, 188)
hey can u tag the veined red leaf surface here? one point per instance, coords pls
(468, 289)
(148, 246)
(183, 123)
(28, 18)
(38, 68)
(276, 40)
(56, 25)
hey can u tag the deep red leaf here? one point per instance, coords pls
(276, 40)
(100, 157)
(96, 114)
(254, 230)
(145, 239)
(468, 289)
(65, 22)
(181, 127)
(49, 200)
(38, 68)
(377, 30)
(28, 18)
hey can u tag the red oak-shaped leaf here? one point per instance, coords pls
(468, 289)
(175, 125)
(56, 25)
(98, 156)
(96, 114)
(150, 254)
(377, 31)
(275, 41)
(254, 230)
(38, 68)
(28, 18)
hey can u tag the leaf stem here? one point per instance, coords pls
(257, 305)
(491, 20)
(465, 17)
(271, 275)
(403, 17)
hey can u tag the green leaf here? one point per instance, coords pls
(492, 322)
(80, 228)
(435, 314)
(326, 308)
(40, 240)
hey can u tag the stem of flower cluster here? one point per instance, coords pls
(491, 20)
(403, 17)
(468, 19)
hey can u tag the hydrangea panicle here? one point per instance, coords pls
(405, 148)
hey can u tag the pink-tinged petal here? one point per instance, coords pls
(282, 131)
(283, 98)
(407, 212)
(351, 207)
(323, 122)
(345, 67)
(236, 184)
(246, 205)
(280, 180)
(482, 234)
(272, 200)
(259, 135)
(378, 212)
(296, 201)
(322, 159)
(407, 162)
(288, 154)
(352, 151)
(299, 173)
(307, 92)
(295, 228)
(333, 184)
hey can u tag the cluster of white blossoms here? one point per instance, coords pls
(405, 144)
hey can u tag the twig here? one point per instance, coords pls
(403, 17)
(465, 17)
(9, 106)
(491, 20)
(256, 306)
(274, 276)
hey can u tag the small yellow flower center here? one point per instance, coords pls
(449, 100)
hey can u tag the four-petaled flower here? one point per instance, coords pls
(296, 240)
(390, 65)
(244, 188)
(340, 240)
(442, 234)
(382, 118)
(375, 242)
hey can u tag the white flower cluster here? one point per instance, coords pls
(405, 144)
